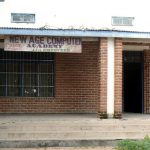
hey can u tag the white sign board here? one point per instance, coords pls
(43, 44)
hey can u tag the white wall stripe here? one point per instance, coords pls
(110, 77)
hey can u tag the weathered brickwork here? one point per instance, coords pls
(147, 81)
(118, 78)
(77, 87)
(102, 69)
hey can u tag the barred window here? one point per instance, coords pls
(26, 74)
(122, 21)
(22, 18)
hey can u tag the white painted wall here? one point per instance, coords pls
(110, 77)
(93, 14)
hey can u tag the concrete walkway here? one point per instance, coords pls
(69, 130)
(49, 117)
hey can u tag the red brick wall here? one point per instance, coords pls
(118, 77)
(76, 89)
(102, 71)
(147, 81)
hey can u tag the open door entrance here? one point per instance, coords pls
(133, 81)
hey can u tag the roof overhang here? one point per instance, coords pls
(74, 32)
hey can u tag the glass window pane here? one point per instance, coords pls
(30, 91)
(30, 80)
(2, 67)
(12, 79)
(46, 92)
(2, 90)
(2, 79)
(29, 67)
(46, 67)
(12, 67)
(46, 80)
(13, 91)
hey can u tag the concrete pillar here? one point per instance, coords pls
(102, 74)
(110, 77)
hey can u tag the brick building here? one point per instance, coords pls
(45, 68)
(106, 75)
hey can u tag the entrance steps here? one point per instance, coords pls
(64, 130)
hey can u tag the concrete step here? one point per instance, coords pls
(65, 148)
(45, 128)
(45, 131)
(99, 121)
(59, 144)
(59, 130)
(74, 123)
(74, 129)
(73, 135)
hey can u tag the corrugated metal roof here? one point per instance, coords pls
(73, 32)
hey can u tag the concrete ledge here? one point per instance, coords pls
(56, 143)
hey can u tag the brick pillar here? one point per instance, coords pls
(118, 78)
(102, 73)
(147, 81)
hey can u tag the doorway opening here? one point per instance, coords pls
(133, 82)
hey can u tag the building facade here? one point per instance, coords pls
(72, 70)
(108, 75)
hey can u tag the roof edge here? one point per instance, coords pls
(73, 32)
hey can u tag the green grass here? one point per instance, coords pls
(134, 145)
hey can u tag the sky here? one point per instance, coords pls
(87, 13)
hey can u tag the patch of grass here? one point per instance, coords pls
(134, 145)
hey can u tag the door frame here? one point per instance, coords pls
(141, 61)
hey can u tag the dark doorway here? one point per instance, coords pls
(133, 82)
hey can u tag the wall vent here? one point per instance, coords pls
(122, 21)
(22, 18)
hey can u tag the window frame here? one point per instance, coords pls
(21, 80)
(22, 15)
(122, 21)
